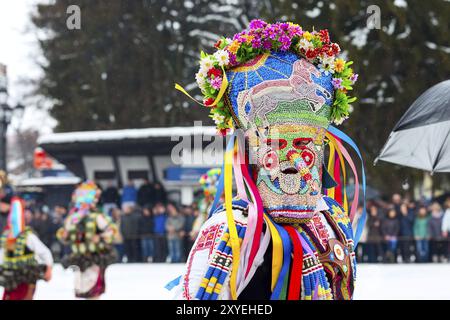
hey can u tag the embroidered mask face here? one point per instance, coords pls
(86, 195)
(282, 102)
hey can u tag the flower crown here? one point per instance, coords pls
(262, 37)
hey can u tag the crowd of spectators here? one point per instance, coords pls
(153, 229)
(405, 231)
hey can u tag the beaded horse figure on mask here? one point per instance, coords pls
(282, 87)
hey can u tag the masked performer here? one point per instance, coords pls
(24, 259)
(208, 182)
(89, 233)
(287, 234)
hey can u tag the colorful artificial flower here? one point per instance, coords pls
(200, 80)
(206, 63)
(218, 118)
(262, 37)
(257, 24)
(233, 47)
(337, 83)
(216, 83)
(307, 35)
(305, 45)
(208, 101)
(327, 65)
(216, 72)
(222, 57)
(354, 78)
(339, 65)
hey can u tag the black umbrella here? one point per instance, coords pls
(421, 139)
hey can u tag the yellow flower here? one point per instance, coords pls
(248, 38)
(339, 65)
(233, 47)
(307, 35)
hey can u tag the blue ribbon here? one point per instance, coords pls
(172, 284)
(286, 261)
(362, 221)
(221, 183)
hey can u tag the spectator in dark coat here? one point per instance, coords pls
(397, 203)
(406, 232)
(374, 248)
(159, 233)
(57, 217)
(189, 217)
(110, 198)
(5, 200)
(47, 230)
(145, 194)
(437, 251)
(146, 234)
(35, 220)
(159, 194)
(390, 228)
(129, 228)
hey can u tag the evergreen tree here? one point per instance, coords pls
(118, 71)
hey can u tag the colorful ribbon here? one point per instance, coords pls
(222, 90)
(295, 281)
(234, 239)
(361, 222)
(277, 252)
(341, 195)
(277, 293)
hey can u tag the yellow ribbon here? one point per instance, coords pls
(234, 239)
(331, 168)
(222, 90)
(341, 159)
(277, 251)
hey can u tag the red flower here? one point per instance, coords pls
(214, 71)
(328, 50)
(307, 176)
(335, 48)
(218, 43)
(324, 36)
(208, 102)
(311, 54)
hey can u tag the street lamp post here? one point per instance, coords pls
(6, 113)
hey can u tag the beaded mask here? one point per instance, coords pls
(86, 195)
(282, 102)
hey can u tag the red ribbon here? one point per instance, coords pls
(295, 281)
(337, 178)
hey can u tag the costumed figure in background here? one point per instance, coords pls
(274, 89)
(89, 233)
(208, 182)
(24, 259)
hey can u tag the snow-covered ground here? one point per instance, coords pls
(146, 281)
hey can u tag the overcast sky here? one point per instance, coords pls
(20, 52)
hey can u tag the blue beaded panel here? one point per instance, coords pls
(277, 66)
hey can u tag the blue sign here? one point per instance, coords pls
(183, 174)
